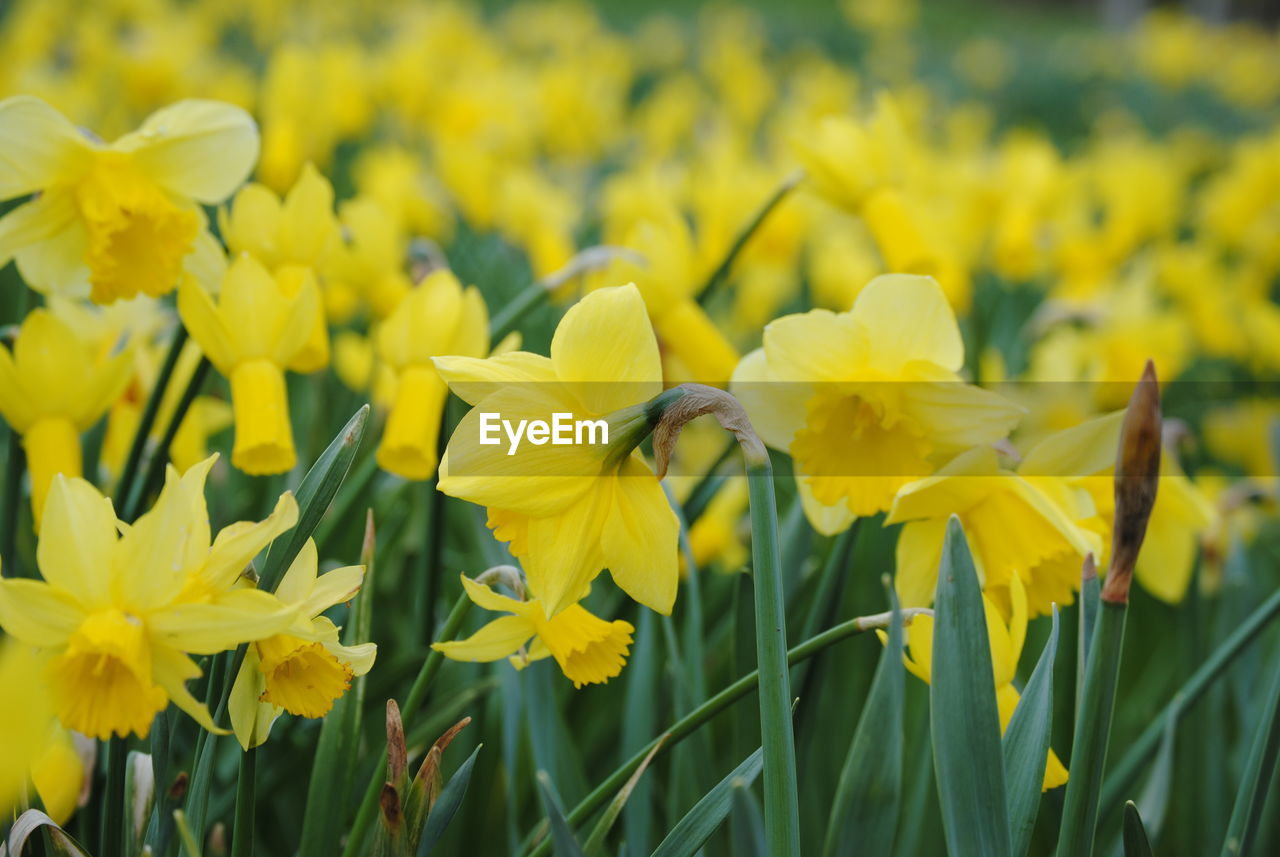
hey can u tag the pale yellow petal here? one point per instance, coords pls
(1081, 450)
(38, 220)
(828, 520)
(333, 587)
(776, 408)
(198, 149)
(906, 318)
(39, 147)
(56, 265)
(239, 616)
(564, 549)
(205, 324)
(640, 538)
(958, 416)
(38, 614)
(171, 669)
(472, 379)
(919, 553)
(237, 545)
(605, 347)
(485, 596)
(251, 718)
(818, 346)
(77, 538)
(498, 639)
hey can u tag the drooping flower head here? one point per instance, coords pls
(570, 511)
(588, 649)
(256, 328)
(867, 400)
(53, 386)
(114, 220)
(121, 607)
(305, 668)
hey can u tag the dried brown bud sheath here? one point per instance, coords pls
(397, 752)
(699, 399)
(1137, 478)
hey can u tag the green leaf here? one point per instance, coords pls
(447, 804)
(595, 842)
(1251, 797)
(692, 831)
(864, 814)
(566, 845)
(314, 495)
(1090, 592)
(746, 824)
(1026, 745)
(639, 723)
(967, 757)
(1135, 836)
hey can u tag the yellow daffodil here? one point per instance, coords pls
(257, 328)
(867, 400)
(1017, 528)
(1084, 457)
(25, 721)
(297, 239)
(121, 607)
(372, 261)
(569, 511)
(1006, 638)
(437, 318)
(113, 220)
(305, 668)
(53, 386)
(58, 773)
(588, 649)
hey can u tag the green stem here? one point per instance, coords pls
(242, 833)
(149, 412)
(1251, 797)
(1140, 751)
(113, 808)
(1092, 733)
(159, 458)
(417, 695)
(508, 317)
(14, 464)
(722, 270)
(690, 723)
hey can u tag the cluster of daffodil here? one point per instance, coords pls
(929, 312)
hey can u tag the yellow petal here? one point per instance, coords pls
(959, 416)
(239, 616)
(484, 596)
(919, 553)
(1081, 450)
(300, 578)
(472, 379)
(605, 347)
(39, 147)
(777, 409)
(251, 718)
(58, 264)
(205, 324)
(15, 403)
(564, 549)
(253, 222)
(38, 614)
(77, 538)
(906, 318)
(237, 545)
(498, 639)
(171, 670)
(333, 587)
(818, 345)
(962, 483)
(198, 149)
(640, 538)
(828, 520)
(39, 220)
(308, 228)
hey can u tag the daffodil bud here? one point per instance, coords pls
(1137, 480)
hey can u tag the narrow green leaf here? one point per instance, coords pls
(447, 804)
(314, 495)
(1092, 734)
(562, 838)
(1135, 836)
(639, 724)
(1090, 591)
(746, 824)
(864, 813)
(242, 833)
(188, 840)
(1026, 745)
(1251, 797)
(967, 756)
(692, 831)
(595, 842)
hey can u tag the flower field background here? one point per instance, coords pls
(930, 344)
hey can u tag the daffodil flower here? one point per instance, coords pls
(296, 239)
(867, 400)
(571, 510)
(121, 607)
(257, 328)
(1018, 528)
(53, 386)
(438, 317)
(25, 720)
(304, 668)
(588, 649)
(111, 220)
(1006, 640)
(1084, 457)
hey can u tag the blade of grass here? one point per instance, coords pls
(242, 832)
(1026, 745)
(967, 756)
(1090, 589)
(864, 812)
(692, 831)
(1135, 836)
(1251, 798)
(446, 806)
(563, 841)
(595, 842)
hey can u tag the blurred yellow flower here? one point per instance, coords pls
(257, 328)
(23, 727)
(114, 220)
